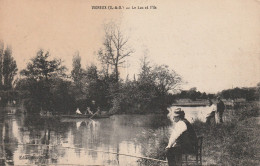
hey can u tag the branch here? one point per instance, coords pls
(125, 55)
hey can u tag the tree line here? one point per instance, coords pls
(194, 94)
(45, 85)
(250, 94)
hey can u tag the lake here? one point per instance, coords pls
(118, 140)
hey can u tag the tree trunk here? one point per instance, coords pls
(116, 70)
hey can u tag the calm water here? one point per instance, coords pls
(33, 140)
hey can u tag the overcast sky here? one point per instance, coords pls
(212, 44)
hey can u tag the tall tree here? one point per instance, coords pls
(77, 72)
(41, 68)
(145, 75)
(41, 74)
(165, 79)
(115, 48)
(1, 63)
(9, 68)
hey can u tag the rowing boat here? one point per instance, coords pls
(86, 116)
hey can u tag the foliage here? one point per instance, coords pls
(249, 94)
(95, 87)
(8, 67)
(43, 81)
(115, 49)
(151, 92)
(8, 70)
(41, 68)
(91, 82)
(63, 99)
(77, 72)
(235, 142)
(165, 79)
(1, 62)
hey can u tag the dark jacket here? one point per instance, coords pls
(220, 106)
(188, 139)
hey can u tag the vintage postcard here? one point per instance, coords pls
(129, 82)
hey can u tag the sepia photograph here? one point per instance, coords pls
(129, 82)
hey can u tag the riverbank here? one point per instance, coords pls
(235, 142)
(230, 104)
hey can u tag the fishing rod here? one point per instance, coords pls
(57, 164)
(122, 154)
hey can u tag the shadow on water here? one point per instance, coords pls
(7, 140)
(29, 138)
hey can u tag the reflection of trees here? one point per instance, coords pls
(153, 145)
(8, 141)
(41, 137)
(87, 134)
(147, 132)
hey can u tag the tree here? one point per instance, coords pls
(144, 90)
(91, 82)
(192, 93)
(40, 76)
(145, 74)
(204, 95)
(1, 63)
(115, 49)
(77, 72)
(40, 68)
(166, 80)
(9, 68)
(154, 86)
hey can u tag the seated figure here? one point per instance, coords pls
(183, 138)
(78, 111)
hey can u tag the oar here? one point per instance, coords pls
(94, 114)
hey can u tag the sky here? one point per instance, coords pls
(212, 44)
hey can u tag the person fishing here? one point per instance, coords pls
(183, 138)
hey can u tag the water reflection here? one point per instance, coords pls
(193, 113)
(28, 140)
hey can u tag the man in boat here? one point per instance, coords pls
(93, 106)
(183, 138)
(89, 111)
(78, 112)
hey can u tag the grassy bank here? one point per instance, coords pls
(235, 142)
(204, 102)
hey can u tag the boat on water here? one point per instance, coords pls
(90, 115)
(80, 116)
